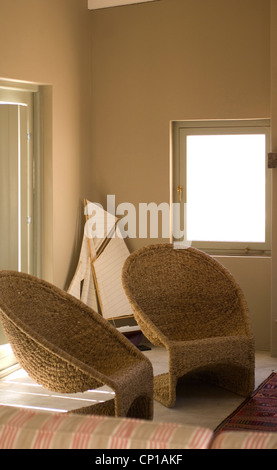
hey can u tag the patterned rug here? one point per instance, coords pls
(258, 412)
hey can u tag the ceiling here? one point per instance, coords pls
(97, 4)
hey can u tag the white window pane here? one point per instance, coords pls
(226, 188)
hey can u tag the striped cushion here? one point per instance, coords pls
(29, 429)
(245, 440)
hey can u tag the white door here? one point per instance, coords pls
(16, 183)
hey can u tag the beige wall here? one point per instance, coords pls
(163, 61)
(176, 60)
(150, 64)
(47, 42)
(253, 274)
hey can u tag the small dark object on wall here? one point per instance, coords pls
(272, 160)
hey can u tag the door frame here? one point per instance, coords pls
(29, 95)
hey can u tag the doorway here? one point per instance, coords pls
(20, 191)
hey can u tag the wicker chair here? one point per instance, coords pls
(187, 302)
(67, 347)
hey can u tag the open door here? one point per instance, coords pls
(16, 191)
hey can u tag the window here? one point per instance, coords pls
(220, 176)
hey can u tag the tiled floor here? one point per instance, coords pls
(197, 402)
(200, 403)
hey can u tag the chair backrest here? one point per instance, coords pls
(185, 293)
(56, 321)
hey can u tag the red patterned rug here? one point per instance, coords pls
(257, 413)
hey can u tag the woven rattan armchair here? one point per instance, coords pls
(186, 301)
(67, 347)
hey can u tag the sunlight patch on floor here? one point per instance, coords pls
(19, 390)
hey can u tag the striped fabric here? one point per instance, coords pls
(245, 440)
(28, 429)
